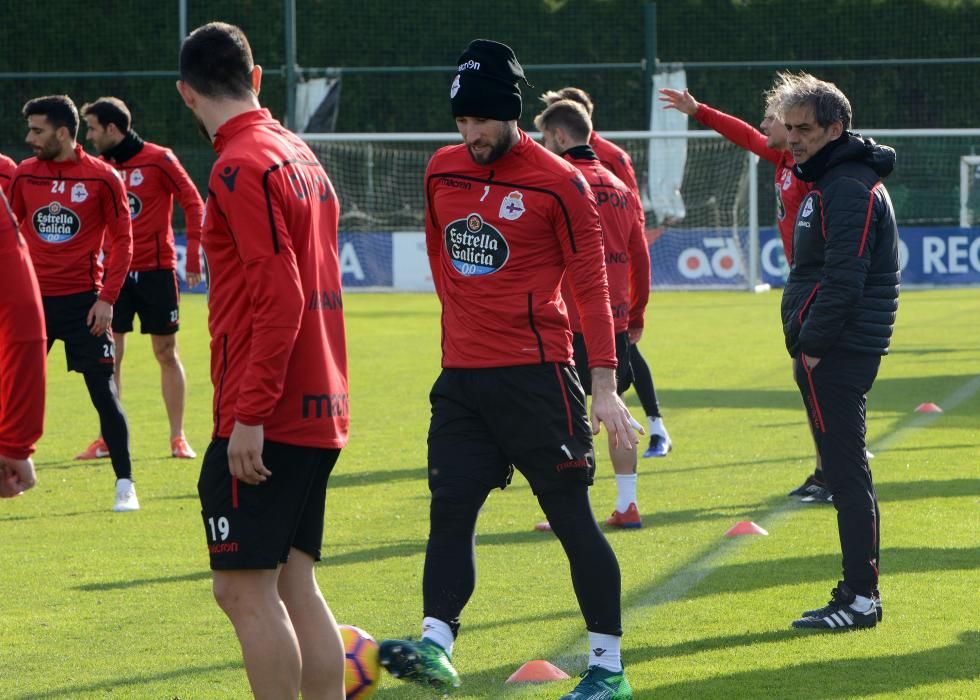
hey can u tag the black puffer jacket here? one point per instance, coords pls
(843, 283)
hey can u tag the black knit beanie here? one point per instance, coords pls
(486, 84)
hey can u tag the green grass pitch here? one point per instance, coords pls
(97, 604)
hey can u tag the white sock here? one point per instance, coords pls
(439, 632)
(862, 604)
(604, 651)
(625, 491)
(654, 425)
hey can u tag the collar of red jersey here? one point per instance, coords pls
(227, 131)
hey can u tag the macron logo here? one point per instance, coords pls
(228, 177)
(469, 65)
(598, 652)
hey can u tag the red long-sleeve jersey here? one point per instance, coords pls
(65, 210)
(7, 167)
(790, 190)
(499, 238)
(278, 347)
(22, 344)
(623, 242)
(619, 163)
(153, 177)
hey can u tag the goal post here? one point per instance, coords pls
(969, 190)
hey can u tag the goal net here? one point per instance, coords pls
(379, 180)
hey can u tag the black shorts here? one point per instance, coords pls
(155, 297)
(485, 422)
(624, 371)
(254, 527)
(65, 319)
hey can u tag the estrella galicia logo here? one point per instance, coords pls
(228, 177)
(475, 247)
(56, 223)
(135, 205)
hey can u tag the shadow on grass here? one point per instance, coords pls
(757, 575)
(889, 394)
(340, 478)
(132, 680)
(136, 583)
(931, 488)
(852, 676)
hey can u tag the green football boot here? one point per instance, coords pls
(601, 684)
(424, 662)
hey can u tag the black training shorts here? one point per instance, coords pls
(65, 319)
(254, 527)
(487, 421)
(624, 371)
(153, 295)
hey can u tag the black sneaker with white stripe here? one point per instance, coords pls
(811, 484)
(875, 598)
(838, 615)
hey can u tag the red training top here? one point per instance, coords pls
(7, 167)
(65, 210)
(153, 177)
(625, 246)
(22, 344)
(278, 348)
(618, 161)
(499, 238)
(790, 190)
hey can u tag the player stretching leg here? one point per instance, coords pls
(72, 206)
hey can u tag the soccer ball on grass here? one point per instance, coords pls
(362, 670)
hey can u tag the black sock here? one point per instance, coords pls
(112, 421)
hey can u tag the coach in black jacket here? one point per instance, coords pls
(838, 313)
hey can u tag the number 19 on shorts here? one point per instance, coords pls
(219, 527)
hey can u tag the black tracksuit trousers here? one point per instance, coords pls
(835, 395)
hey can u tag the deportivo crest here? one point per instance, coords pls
(512, 207)
(807, 207)
(135, 205)
(455, 87)
(475, 247)
(78, 193)
(56, 223)
(787, 179)
(136, 178)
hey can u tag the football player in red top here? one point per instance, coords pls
(153, 177)
(618, 161)
(505, 221)
(7, 167)
(22, 361)
(279, 368)
(772, 145)
(566, 127)
(68, 203)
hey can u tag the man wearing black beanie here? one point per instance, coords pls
(506, 220)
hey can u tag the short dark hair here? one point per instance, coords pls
(216, 60)
(828, 102)
(109, 110)
(568, 115)
(59, 110)
(569, 93)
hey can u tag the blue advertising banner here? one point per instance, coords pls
(935, 256)
(689, 258)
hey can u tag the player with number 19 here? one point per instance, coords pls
(67, 202)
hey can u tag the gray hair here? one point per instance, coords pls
(828, 102)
